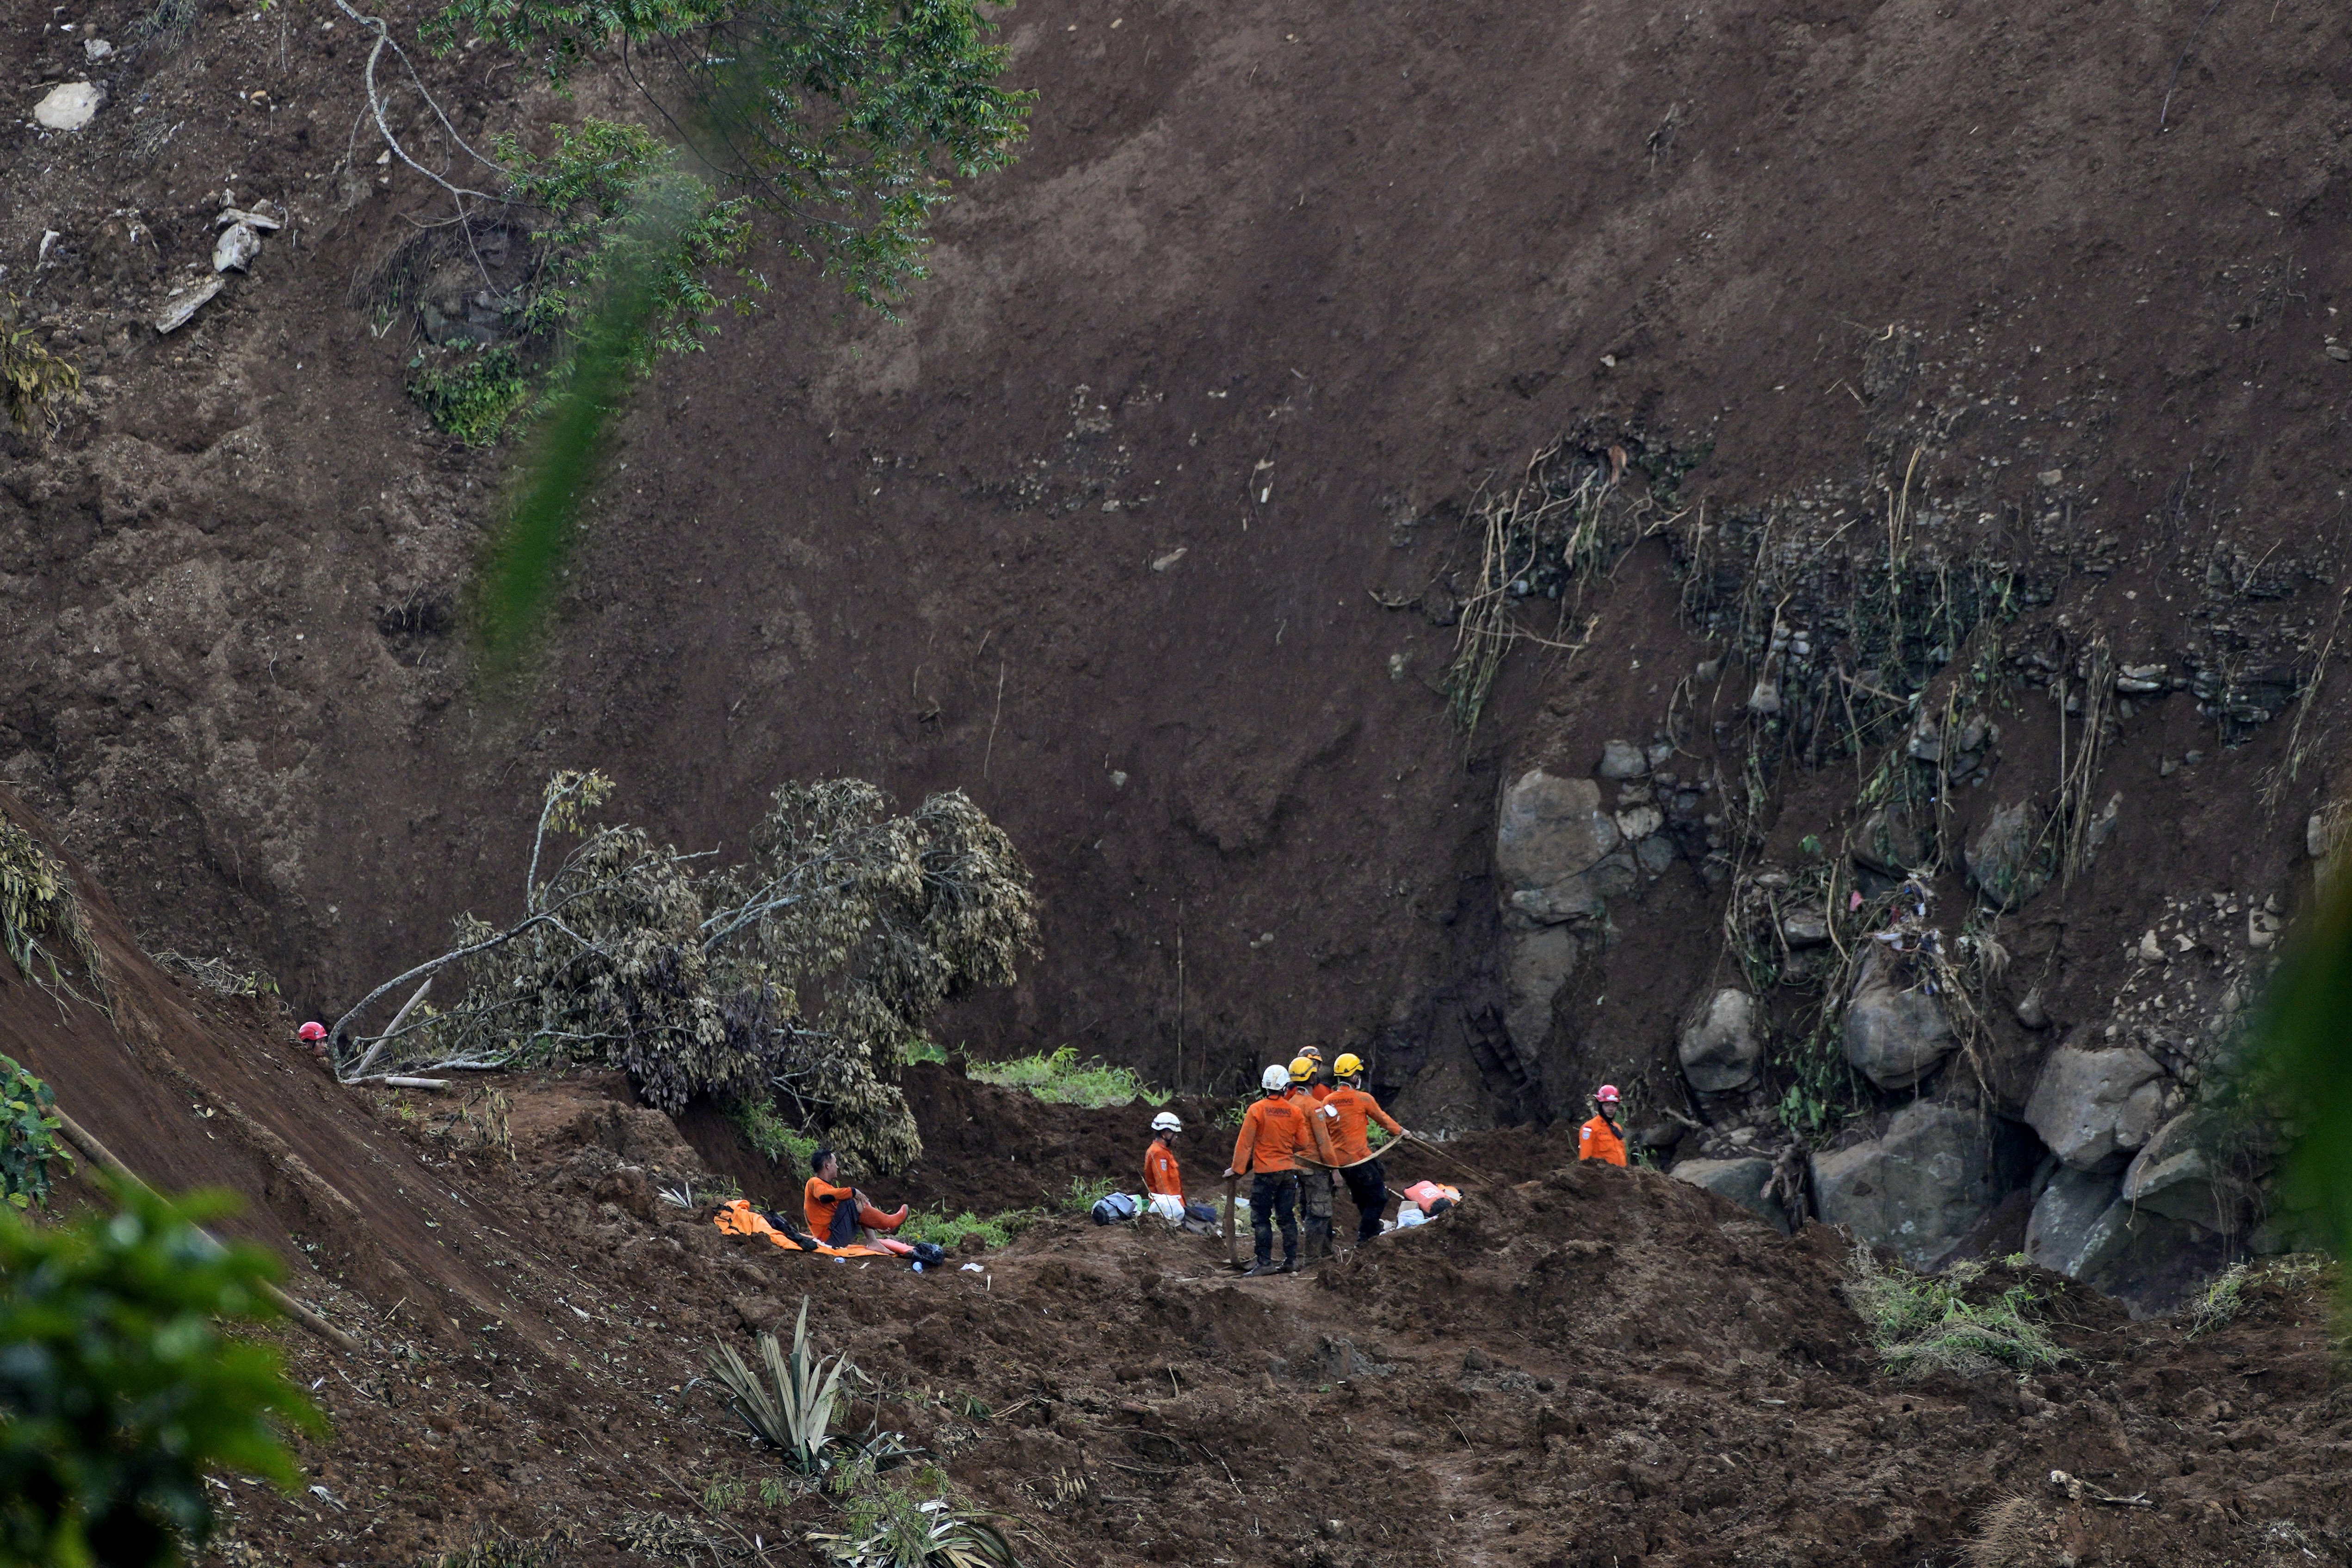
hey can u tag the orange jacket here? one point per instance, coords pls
(1345, 1111)
(1597, 1140)
(1273, 1130)
(1160, 1172)
(818, 1201)
(739, 1218)
(1321, 1091)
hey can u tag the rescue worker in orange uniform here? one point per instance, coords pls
(1349, 1111)
(835, 1212)
(1274, 1131)
(1317, 1186)
(1600, 1138)
(1163, 1179)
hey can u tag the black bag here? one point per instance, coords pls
(929, 1252)
(1204, 1213)
(1117, 1209)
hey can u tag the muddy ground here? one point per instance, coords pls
(1580, 1365)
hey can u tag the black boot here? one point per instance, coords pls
(1264, 1265)
(1289, 1264)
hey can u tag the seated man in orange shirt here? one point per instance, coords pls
(835, 1212)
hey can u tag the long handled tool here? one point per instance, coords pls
(104, 1158)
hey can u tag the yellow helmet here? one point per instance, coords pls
(1349, 1065)
(1301, 1069)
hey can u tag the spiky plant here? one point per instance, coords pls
(791, 1407)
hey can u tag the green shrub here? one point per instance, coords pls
(1922, 1324)
(118, 1392)
(765, 1131)
(28, 1136)
(940, 1230)
(38, 911)
(1062, 1079)
(1087, 1191)
(473, 399)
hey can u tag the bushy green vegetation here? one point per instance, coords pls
(40, 919)
(1923, 1323)
(942, 1230)
(1085, 1192)
(1060, 1079)
(119, 1392)
(767, 1132)
(473, 398)
(28, 1136)
(909, 1522)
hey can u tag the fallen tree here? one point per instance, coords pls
(808, 972)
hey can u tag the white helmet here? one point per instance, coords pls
(1275, 1079)
(1166, 1122)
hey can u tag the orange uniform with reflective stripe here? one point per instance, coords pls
(818, 1201)
(1596, 1140)
(1162, 1175)
(1347, 1111)
(1274, 1131)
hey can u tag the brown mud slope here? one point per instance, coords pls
(1106, 532)
(1590, 1367)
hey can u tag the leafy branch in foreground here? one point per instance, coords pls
(39, 913)
(34, 382)
(118, 1393)
(809, 971)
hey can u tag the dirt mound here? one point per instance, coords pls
(1585, 1366)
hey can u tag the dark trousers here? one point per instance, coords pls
(844, 1229)
(1274, 1195)
(1367, 1186)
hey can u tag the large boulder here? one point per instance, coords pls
(1741, 1181)
(1919, 1188)
(2093, 1108)
(1893, 1037)
(1890, 841)
(1541, 961)
(2068, 1233)
(1718, 1045)
(2181, 1175)
(1550, 829)
(2006, 860)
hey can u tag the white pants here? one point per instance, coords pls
(1168, 1206)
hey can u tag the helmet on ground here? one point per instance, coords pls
(1274, 1077)
(313, 1032)
(1166, 1122)
(1606, 1094)
(1301, 1069)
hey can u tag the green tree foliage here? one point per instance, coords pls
(120, 1392)
(38, 911)
(28, 1136)
(811, 970)
(844, 117)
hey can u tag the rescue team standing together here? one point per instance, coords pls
(1297, 1120)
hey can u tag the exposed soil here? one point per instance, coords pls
(1584, 1366)
(1278, 289)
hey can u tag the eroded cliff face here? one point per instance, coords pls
(1960, 441)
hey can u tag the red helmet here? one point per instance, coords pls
(1606, 1094)
(313, 1032)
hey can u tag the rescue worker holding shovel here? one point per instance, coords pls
(1349, 1111)
(1316, 1185)
(1275, 1130)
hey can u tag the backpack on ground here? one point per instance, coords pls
(929, 1252)
(1114, 1208)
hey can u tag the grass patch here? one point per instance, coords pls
(474, 398)
(2224, 1296)
(766, 1131)
(942, 1230)
(1087, 1191)
(1062, 1079)
(1924, 1324)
